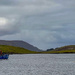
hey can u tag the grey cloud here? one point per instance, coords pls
(9, 31)
(39, 22)
(7, 2)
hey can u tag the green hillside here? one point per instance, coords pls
(64, 49)
(18, 50)
(15, 50)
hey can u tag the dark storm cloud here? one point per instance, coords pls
(7, 2)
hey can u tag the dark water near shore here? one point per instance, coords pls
(38, 64)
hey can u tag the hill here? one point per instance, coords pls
(64, 49)
(18, 43)
(15, 50)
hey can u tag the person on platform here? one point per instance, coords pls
(0, 52)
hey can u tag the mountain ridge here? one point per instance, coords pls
(19, 43)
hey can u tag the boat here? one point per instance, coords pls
(4, 56)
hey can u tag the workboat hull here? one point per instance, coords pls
(4, 56)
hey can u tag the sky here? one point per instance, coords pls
(42, 23)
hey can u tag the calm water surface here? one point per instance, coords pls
(38, 64)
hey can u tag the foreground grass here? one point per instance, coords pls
(15, 50)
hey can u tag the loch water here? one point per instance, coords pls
(38, 64)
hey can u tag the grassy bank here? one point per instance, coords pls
(15, 50)
(58, 52)
(64, 49)
(18, 50)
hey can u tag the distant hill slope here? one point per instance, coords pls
(64, 49)
(18, 43)
(15, 50)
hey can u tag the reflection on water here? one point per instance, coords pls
(38, 64)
